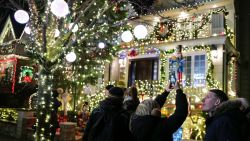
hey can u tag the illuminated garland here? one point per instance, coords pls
(9, 47)
(24, 70)
(211, 82)
(8, 114)
(164, 57)
(201, 30)
(231, 74)
(177, 33)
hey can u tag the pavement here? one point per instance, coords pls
(7, 138)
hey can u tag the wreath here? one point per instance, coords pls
(164, 30)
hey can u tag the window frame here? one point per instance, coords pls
(193, 54)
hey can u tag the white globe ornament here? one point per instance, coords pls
(27, 30)
(101, 45)
(71, 57)
(59, 8)
(57, 33)
(75, 27)
(140, 31)
(127, 36)
(21, 16)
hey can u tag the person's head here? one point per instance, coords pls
(116, 92)
(148, 107)
(59, 90)
(55, 93)
(132, 91)
(107, 88)
(213, 99)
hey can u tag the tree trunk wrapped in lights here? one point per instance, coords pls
(44, 105)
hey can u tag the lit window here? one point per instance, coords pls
(194, 70)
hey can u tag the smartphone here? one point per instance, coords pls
(172, 80)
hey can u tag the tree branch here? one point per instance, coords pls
(15, 4)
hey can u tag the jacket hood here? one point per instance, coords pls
(111, 104)
(227, 106)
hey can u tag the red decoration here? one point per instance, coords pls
(162, 27)
(27, 79)
(8, 74)
(132, 53)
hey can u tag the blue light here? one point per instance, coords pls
(177, 136)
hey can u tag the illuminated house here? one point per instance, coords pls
(14, 65)
(205, 31)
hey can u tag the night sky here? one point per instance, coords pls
(6, 11)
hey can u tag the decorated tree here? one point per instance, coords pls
(83, 32)
(83, 29)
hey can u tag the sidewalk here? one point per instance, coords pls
(6, 138)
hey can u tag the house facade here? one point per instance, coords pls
(206, 34)
(14, 63)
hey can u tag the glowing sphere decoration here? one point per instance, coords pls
(57, 33)
(140, 31)
(21, 16)
(71, 57)
(27, 30)
(75, 27)
(127, 36)
(59, 8)
(101, 45)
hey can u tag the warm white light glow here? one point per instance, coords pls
(27, 30)
(57, 33)
(71, 57)
(214, 53)
(183, 15)
(21, 16)
(75, 27)
(59, 8)
(127, 36)
(140, 31)
(101, 45)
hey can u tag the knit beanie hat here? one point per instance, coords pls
(116, 92)
(108, 87)
(220, 94)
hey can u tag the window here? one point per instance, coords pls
(194, 70)
(217, 23)
(143, 69)
(187, 70)
(199, 76)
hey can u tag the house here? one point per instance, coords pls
(205, 31)
(14, 69)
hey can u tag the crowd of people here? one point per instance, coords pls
(122, 117)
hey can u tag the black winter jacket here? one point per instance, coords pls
(153, 128)
(226, 123)
(112, 121)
